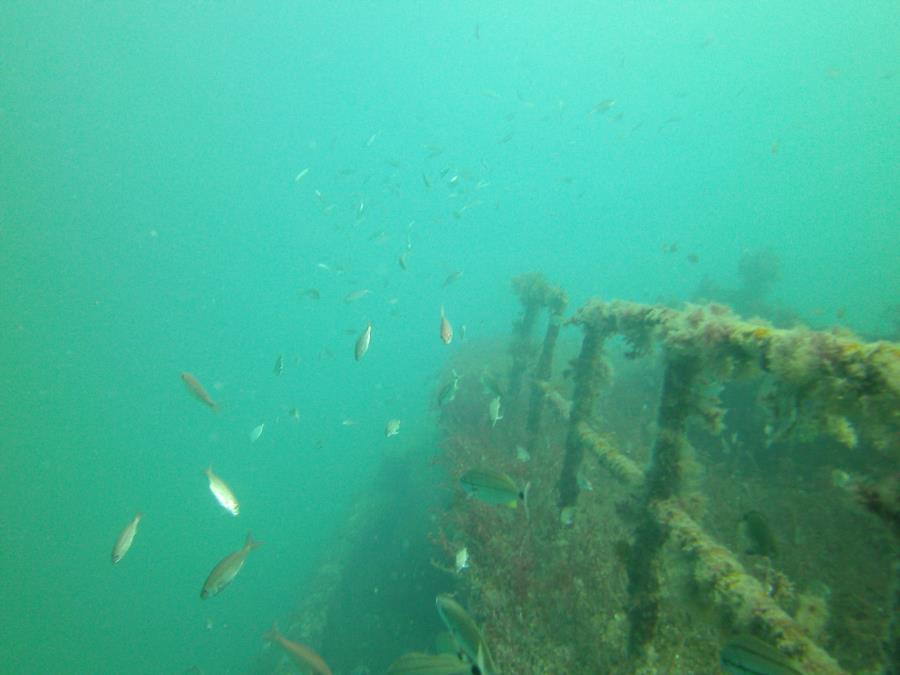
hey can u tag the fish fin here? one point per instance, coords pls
(251, 543)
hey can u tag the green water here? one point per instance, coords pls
(151, 223)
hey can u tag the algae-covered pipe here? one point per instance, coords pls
(542, 374)
(521, 348)
(590, 372)
(663, 481)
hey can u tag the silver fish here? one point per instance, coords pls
(225, 572)
(126, 538)
(446, 328)
(392, 428)
(223, 493)
(494, 411)
(362, 343)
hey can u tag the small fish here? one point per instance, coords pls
(372, 139)
(418, 663)
(279, 365)
(392, 428)
(197, 390)
(693, 258)
(446, 328)
(747, 655)
(302, 655)
(453, 277)
(348, 422)
(126, 538)
(362, 343)
(462, 559)
(494, 487)
(603, 106)
(465, 633)
(522, 454)
(356, 295)
(494, 411)
(583, 482)
(300, 176)
(295, 414)
(402, 260)
(447, 394)
(567, 516)
(426, 181)
(227, 569)
(312, 293)
(257, 432)
(462, 332)
(223, 493)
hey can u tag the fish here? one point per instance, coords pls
(300, 176)
(302, 655)
(197, 390)
(567, 516)
(465, 633)
(757, 536)
(402, 260)
(583, 482)
(446, 328)
(522, 454)
(228, 568)
(747, 655)
(453, 277)
(462, 332)
(462, 559)
(392, 428)
(312, 293)
(494, 411)
(693, 258)
(126, 538)
(448, 392)
(257, 432)
(295, 414)
(494, 487)
(356, 295)
(603, 106)
(362, 343)
(222, 493)
(279, 365)
(418, 663)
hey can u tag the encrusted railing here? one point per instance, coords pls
(840, 385)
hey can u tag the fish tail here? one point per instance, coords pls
(273, 633)
(251, 543)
